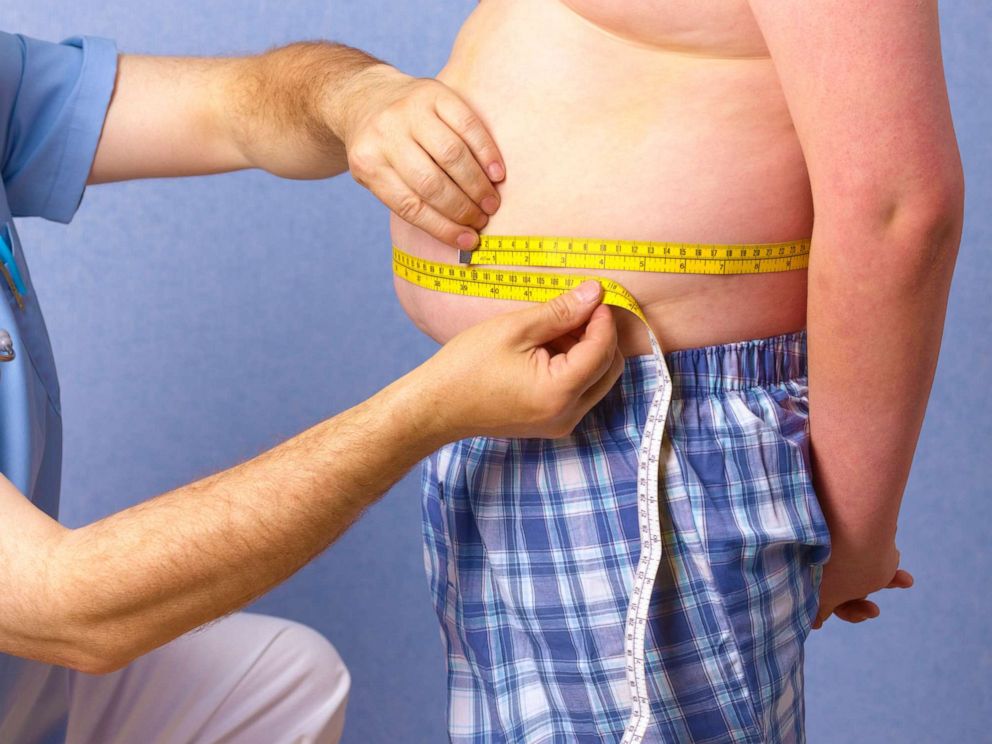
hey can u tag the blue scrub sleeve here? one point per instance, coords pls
(53, 101)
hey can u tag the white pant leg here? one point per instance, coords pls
(245, 679)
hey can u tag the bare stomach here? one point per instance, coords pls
(611, 128)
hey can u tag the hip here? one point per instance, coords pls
(531, 547)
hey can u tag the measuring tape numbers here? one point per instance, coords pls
(480, 274)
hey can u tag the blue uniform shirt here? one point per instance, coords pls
(53, 100)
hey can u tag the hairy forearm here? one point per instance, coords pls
(287, 109)
(876, 307)
(283, 111)
(98, 596)
(139, 578)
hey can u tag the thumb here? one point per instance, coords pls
(561, 314)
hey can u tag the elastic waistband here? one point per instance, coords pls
(711, 370)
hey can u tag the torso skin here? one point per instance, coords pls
(638, 120)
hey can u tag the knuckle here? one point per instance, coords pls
(467, 121)
(466, 212)
(361, 176)
(383, 122)
(558, 307)
(425, 88)
(410, 207)
(414, 106)
(394, 112)
(361, 159)
(451, 153)
(428, 184)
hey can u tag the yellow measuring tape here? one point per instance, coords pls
(470, 280)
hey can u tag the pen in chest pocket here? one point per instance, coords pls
(8, 267)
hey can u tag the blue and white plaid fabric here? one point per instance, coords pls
(531, 547)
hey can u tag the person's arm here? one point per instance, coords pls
(865, 87)
(96, 597)
(307, 110)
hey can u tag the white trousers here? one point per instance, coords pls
(244, 679)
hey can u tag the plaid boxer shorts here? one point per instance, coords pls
(531, 546)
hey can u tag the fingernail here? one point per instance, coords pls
(490, 205)
(495, 171)
(466, 240)
(588, 291)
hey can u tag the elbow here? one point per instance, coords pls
(926, 232)
(89, 654)
(100, 666)
(911, 238)
(104, 659)
(96, 642)
(97, 652)
(919, 193)
(932, 216)
(929, 215)
(96, 665)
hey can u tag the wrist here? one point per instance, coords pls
(860, 531)
(861, 551)
(417, 405)
(348, 103)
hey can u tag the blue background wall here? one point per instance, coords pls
(198, 322)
